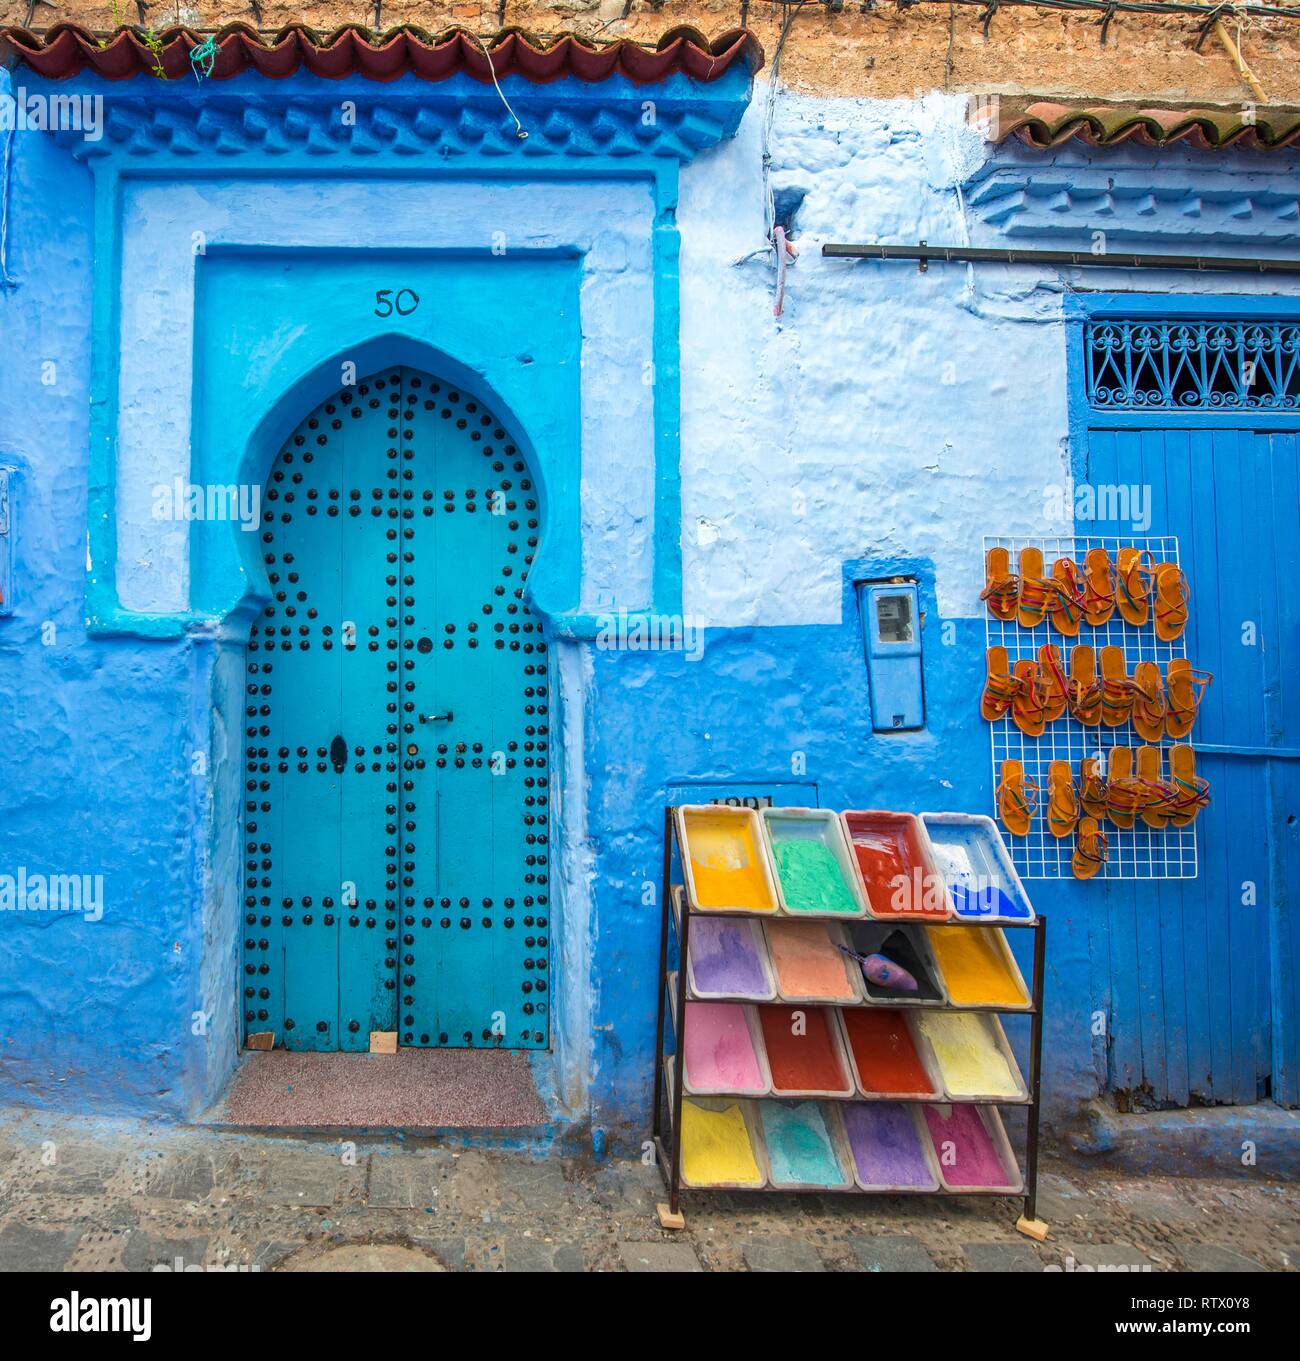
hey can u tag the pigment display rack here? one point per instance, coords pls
(780, 1065)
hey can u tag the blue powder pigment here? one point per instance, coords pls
(799, 1148)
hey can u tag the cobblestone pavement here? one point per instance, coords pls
(81, 1194)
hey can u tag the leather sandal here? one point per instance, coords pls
(1098, 587)
(1090, 849)
(1065, 606)
(1092, 787)
(1116, 688)
(1191, 792)
(1054, 682)
(1125, 793)
(1084, 690)
(1062, 803)
(1017, 798)
(1157, 794)
(1035, 592)
(1000, 686)
(1029, 707)
(1187, 688)
(1172, 597)
(1001, 585)
(1133, 586)
(1148, 701)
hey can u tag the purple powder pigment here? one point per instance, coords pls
(724, 959)
(886, 1145)
(966, 1153)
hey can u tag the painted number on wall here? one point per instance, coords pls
(403, 302)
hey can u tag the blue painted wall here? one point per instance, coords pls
(888, 419)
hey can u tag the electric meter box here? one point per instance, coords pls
(891, 635)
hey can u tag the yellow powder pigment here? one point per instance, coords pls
(716, 1148)
(966, 1050)
(973, 966)
(726, 864)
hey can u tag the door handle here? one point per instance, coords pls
(338, 754)
(436, 718)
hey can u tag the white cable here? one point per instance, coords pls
(519, 127)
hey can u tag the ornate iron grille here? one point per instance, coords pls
(1194, 365)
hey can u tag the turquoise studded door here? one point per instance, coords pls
(397, 733)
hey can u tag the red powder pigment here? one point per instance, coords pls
(886, 1058)
(804, 1063)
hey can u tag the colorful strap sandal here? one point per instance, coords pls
(1148, 690)
(1062, 805)
(1001, 585)
(1157, 792)
(1125, 793)
(1187, 688)
(1017, 798)
(1092, 787)
(1054, 683)
(1034, 591)
(1085, 689)
(1116, 688)
(1029, 707)
(1133, 586)
(1065, 606)
(1090, 849)
(1191, 791)
(1098, 587)
(1000, 686)
(1172, 597)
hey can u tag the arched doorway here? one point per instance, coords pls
(396, 732)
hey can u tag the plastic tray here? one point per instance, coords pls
(717, 1105)
(744, 929)
(769, 1112)
(819, 825)
(962, 840)
(870, 937)
(852, 990)
(891, 1116)
(913, 851)
(733, 839)
(963, 996)
(866, 1022)
(820, 1021)
(997, 1135)
(755, 1039)
(986, 1029)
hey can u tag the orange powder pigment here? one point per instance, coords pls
(806, 961)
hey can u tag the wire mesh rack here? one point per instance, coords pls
(1142, 852)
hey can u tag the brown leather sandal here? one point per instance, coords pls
(1054, 683)
(1191, 791)
(1157, 792)
(1092, 787)
(1172, 598)
(1017, 798)
(1001, 585)
(1065, 605)
(1098, 587)
(1029, 707)
(1148, 701)
(1116, 688)
(1085, 688)
(1062, 802)
(1133, 585)
(1187, 688)
(1035, 593)
(1125, 793)
(1000, 686)
(1090, 849)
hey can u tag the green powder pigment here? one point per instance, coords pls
(810, 877)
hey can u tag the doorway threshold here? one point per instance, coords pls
(418, 1090)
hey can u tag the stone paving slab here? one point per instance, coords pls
(123, 1195)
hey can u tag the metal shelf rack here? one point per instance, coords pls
(669, 1077)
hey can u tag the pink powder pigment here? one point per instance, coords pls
(720, 1054)
(966, 1154)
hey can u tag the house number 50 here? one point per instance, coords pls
(403, 302)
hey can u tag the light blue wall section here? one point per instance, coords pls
(885, 423)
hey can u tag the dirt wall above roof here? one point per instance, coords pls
(888, 52)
